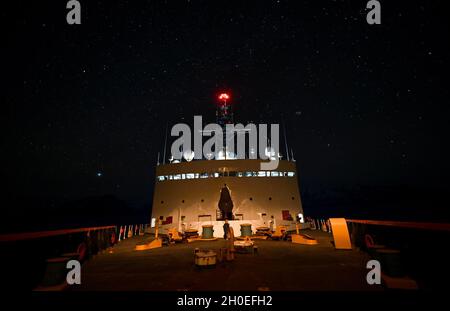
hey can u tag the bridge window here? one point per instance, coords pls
(225, 174)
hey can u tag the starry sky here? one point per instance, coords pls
(365, 106)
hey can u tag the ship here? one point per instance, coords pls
(190, 194)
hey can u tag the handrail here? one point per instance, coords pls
(404, 224)
(42, 234)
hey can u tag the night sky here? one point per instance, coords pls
(365, 106)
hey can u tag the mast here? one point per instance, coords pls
(224, 116)
(165, 145)
(285, 139)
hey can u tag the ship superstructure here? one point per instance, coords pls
(187, 193)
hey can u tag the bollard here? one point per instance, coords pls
(207, 232)
(246, 230)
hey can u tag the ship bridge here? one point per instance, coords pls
(187, 194)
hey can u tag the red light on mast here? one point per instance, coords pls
(224, 97)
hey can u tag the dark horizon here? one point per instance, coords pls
(365, 106)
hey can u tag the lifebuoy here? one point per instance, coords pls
(369, 241)
(121, 234)
(82, 251)
(113, 238)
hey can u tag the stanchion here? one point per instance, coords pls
(130, 231)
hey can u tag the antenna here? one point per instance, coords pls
(165, 144)
(292, 155)
(285, 139)
(224, 116)
(157, 162)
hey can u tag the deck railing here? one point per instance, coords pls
(404, 224)
(41, 251)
